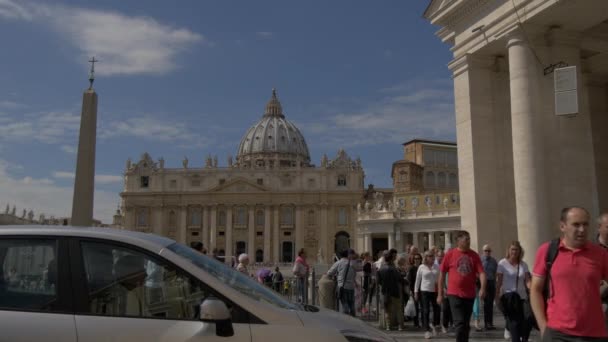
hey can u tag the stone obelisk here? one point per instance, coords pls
(84, 183)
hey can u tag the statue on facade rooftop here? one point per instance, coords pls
(324, 160)
(185, 162)
(128, 164)
(229, 161)
(14, 211)
(215, 161)
(208, 161)
(7, 209)
(161, 163)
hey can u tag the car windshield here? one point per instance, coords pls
(233, 278)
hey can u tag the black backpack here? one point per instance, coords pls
(547, 289)
(551, 256)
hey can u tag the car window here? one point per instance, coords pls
(237, 280)
(29, 274)
(126, 282)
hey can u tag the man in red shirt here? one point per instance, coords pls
(463, 266)
(573, 309)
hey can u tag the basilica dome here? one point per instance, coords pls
(273, 141)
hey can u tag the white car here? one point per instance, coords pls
(97, 284)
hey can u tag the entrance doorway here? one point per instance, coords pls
(379, 245)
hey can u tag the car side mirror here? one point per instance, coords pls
(215, 312)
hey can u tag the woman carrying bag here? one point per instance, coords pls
(512, 280)
(426, 292)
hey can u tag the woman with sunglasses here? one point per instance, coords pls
(426, 291)
(415, 261)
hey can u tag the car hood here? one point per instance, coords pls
(347, 325)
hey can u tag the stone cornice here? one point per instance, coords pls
(469, 61)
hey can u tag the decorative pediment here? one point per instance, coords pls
(343, 161)
(145, 163)
(239, 185)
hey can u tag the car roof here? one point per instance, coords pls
(146, 240)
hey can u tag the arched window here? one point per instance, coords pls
(259, 218)
(429, 179)
(342, 217)
(441, 180)
(341, 180)
(259, 255)
(342, 242)
(286, 216)
(287, 251)
(241, 247)
(402, 176)
(172, 219)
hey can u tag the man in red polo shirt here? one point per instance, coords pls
(463, 266)
(574, 309)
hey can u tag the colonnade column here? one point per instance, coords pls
(213, 229)
(391, 240)
(251, 234)
(267, 218)
(447, 240)
(299, 230)
(367, 242)
(228, 233)
(415, 241)
(431, 240)
(183, 224)
(528, 158)
(206, 229)
(324, 235)
(275, 236)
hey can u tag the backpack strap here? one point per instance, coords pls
(551, 256)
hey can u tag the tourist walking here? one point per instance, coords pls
(243, 263)
(463, 266)
(391, 286)
(446, 313)
(573, 310)
(426, 292)
(300, 272)
(369, 286)
(415, 261)
(512, 282)
(489, 267)
(345, 271)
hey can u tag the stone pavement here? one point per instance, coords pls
(413, 334)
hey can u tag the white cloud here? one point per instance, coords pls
(150, 128)
(99, 179)
(43, 196)
(123, 44)
(264, 34)
(407, 112)
(49, 128)
(11, 10)
(68, 149)
(10, 104)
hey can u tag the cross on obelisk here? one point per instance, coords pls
(92, 73)
(84, 183)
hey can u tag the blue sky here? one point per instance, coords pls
(187, 78)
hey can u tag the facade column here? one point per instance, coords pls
(228, 233)
(415, 241)
(299, 230)
(528, 159)
(157, 223)
(431, 240)
(324, 235)
(275, 236)
(205, 223)
(391, 240)
(213, 228)
(447, 241)
(251, 231)
(267, 218)
(367, 243)
(183, 224)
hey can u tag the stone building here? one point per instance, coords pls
(269, 202)
(520, 159)
(422, 208)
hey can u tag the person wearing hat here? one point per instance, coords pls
(345, 270)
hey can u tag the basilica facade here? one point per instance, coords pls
(269, 201)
